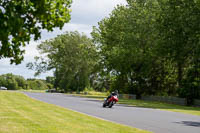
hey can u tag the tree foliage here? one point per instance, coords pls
(72, 56)
(127, 39)
(23, 19)
(16, 82)
(12, 82)
(36, 84)
(151, 47)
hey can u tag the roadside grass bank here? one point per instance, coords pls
(36, 91)
(162, 106)
(90, 94)
(145, 104)
(21, 114)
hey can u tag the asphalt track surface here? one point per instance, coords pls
(153, 120)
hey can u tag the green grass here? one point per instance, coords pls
(91, 94)
(21, 114)
(149, 104)
(162, 106)
(37, 91)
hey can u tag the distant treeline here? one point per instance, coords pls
(16, 82)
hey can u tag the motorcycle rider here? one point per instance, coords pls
(114, 93)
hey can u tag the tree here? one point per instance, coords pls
(16, 82)
(36, 84)
(50, 80)
(179, 30)
(2, 81)
(72, 56)
(8, 80)
(23, 19)
(126, 40)
(22, 84)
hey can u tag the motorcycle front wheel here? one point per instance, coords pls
(110, 105)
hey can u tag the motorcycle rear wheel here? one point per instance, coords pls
(104, 104)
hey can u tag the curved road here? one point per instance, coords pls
(153, 120)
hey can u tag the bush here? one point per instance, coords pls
(37, 85)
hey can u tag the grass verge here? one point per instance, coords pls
(162, 106)
(21, 114)
(147, 104)
(36, 91)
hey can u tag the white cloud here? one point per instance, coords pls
(21, 69)
(85, 14)
(92, 11)
(31, 50)
(67, 27)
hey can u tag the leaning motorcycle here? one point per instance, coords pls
(111, 101)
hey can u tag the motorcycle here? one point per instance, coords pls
(111, 101)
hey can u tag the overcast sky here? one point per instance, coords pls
(84, 15)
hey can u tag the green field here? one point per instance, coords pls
(147, 104)
(21, 114)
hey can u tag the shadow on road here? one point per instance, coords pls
(189, 123)
(95, 100)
